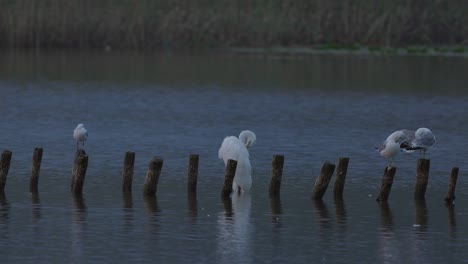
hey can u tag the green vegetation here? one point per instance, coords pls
(150, 24)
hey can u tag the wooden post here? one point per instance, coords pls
(322, 181)
(386, 185)
(152, 176)
(341, 172)
(127, 171)
(276, 175)
(229, 178)
(36, 168)
(452, 184)
(4, 167)
(422, 177)
(192, 174)
(79, 172)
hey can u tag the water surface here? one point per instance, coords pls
(310, 109)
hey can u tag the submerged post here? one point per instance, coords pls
(79, 172)
(452, 184)
(192, 174)
(341, 172)
(322, 181)
(386, 185)
(229, 178)
(127, 171)
(422, 178)
(152, 176)
(276, 175)
(36, 168)
(4, 167)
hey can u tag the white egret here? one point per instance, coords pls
(80, 134)
(393, 144)
(236, 149)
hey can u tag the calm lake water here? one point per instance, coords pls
(310, 109)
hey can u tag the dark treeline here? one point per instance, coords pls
(148, 24)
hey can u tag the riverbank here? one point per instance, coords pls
(148, 25)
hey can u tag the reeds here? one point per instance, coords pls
(147, 24)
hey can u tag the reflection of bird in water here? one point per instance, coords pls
(237, 149)
(421, 140)
(392, 145)
(234, 231)
(80, 134)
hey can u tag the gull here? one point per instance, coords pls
(80, 134)
(391, 146)
(422, 140)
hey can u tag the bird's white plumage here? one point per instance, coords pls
(80, 134)
(236, 149)
(392, 145)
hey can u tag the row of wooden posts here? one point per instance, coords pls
(152, 176)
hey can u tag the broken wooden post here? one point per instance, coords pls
(322, 181)
(36, 168)
(422, 178)
(229, 178)
(4, 167)
(386, 185)
(79, 172)
(276, 175)
(152, 176)
(452, 184)
(127, 171)
(341, 171)
(192, 174)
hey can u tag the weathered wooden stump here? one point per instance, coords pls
(450, 197)
(79, 172)
(386, 185)
(127, 171)
(192, 174)
(4, 167)
(36, 168)
(322, 181)
(276, 175)
(229, 178)
(341, 171)
(152, 177)
(422, 178)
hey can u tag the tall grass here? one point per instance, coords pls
(148, 24)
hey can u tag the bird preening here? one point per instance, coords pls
(80, 134)
(408, 141)
(237, 149)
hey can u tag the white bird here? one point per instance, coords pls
(394, 143)
(236, 149)
(80, 134)
(422, 140)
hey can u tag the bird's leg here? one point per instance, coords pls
(77, 145)
(239, 190)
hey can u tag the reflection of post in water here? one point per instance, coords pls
(192, 204)
(79, 202)
(422, 216)
(276, 209)
(4, 207)
(128, 208)
(386, 216)
(151, 205)
(452, 220)
(36, 205)
(227, 204)
(340, 211)
(322, 213)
